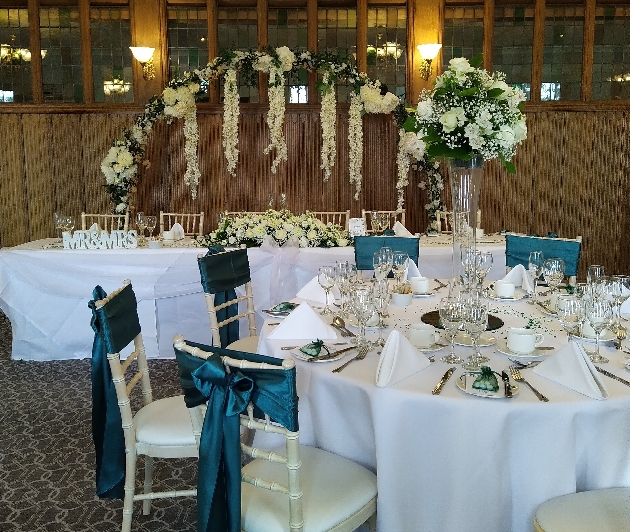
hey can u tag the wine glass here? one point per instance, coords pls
(363, 308)
(381, 297)
(58, 218)
(68, 224)
(451, 319)
(141, 224)
(553, 272)
(595, 271)
(326, 279)
(384, 221)
(382, 264)
(599, 316)
(151, 222)
(475, 314)
(484, 264)
(569, 310)
(536, 261)
(400, 261)
(375, 222)
(621, 292)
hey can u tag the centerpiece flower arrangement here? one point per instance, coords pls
(251, 229)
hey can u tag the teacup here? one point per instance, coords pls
(419, 285)
(423, 335)
(504, 289)
(168, 235)
(523, 341)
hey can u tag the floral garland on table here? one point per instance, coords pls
(250, 229)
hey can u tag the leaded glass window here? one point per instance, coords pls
(15, 56)
(463, 32)
(61, 65)
(387, 45)
(611, 57)
(187, 29)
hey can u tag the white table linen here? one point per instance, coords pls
(457, 461)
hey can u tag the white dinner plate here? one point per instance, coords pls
(500, 394)
(296, 353)
(519, 294)
(485, 339)
(536, 354)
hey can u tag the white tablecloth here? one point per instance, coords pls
(45, 292)
(458, 462)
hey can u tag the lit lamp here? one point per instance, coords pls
(144, 55)
(428, 53)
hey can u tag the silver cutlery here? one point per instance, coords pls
(516, 375)
(506, 385)
(445, 377)
(362, 354)
(612, 375)
(440, 283)
(289, 347)
(526, 365)
(339, 324)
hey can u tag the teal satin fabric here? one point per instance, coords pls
(221, 273)
(366, 246)
(115, 325)
(518, 248)
(227, 395)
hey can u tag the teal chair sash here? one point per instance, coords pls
(221, 273)
(115, 325)
(227, 396)
(518, 248)
(366, 246)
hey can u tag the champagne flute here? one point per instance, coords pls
(599, 316)
(375, 222)
(326, 279)
(141, 224)
(151, 222)
(381, 297)
(59, 225)
(475, 322)
(621, 294)
(451, 319)
(553, 272)
(536, 261)
(484, 264)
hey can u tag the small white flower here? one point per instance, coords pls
(452, 119)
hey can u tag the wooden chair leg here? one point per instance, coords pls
(130, 488)
(148, 483)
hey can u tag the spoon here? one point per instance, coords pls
(340, 324)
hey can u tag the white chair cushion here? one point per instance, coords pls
(333, 488)
(247, 345)
(606, 510)
(165, 422)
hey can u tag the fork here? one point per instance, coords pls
(362, 354)
(516, 375)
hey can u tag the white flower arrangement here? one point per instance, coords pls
(231, 112)
(250, 229)
(328, 119)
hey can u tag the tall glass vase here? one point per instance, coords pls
(466, 177)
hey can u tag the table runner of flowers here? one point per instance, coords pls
(251, 229)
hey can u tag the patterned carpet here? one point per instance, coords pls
(47, 456)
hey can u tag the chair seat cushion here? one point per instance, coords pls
(606, 510)
(333, 488)
(248, 345)
(165, 422)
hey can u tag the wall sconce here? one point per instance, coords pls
(144, 56)
(428, 53)
(115, 86)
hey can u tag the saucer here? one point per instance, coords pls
(432, 349)
(536, 354)
(519, 294)
(500, 394)
(485, 339)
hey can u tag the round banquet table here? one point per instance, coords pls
(456, 461)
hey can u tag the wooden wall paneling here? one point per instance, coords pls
(14, 215)
(623, 171)
(36, 44)
(214, 178)
(86, 51)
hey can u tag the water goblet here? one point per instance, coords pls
(326, 279)
(553, 272)
(151, 222)
(569, 310)
(381, 297)
(388, 254)
(475, 314)
(594, 272)
(535, 267)
(451, 319)
(599, 316)
(400, 261)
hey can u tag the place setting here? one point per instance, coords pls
(523, 345)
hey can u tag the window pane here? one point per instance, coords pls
(611, 58)
(512, 44)
(238, 30)
(387, 44)
(61, 64)
(463, 32)
(337, 33)
(15, 67)
(562, 56)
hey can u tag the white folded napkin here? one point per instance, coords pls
(303, 324)
(519, 276)
(572, 368)
(178, 231)
(399, 360)
(314, 292)
(401, 230)
(625, 307)
(412, 270)
(94, 228)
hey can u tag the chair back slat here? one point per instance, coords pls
(341, 218)
(394, 216)
(107, 222)
(192, 223)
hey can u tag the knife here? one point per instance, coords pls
(333, 354)
(506, 384)
(612, 376)
(440, 385)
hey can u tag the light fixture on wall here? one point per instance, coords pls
(391, 49)
(144, 55)
(428, 53)
(10, 55)
(115, 86)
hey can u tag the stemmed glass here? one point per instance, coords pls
(382, 266)
(599, 316)
(569, 310)
(484, 264)
(475, 314)
(451, 319)
(381, 297)
(363, 308)
(384, 221)
(620, 289)
(400, 261)
(375, 222)
(469, 260)
(326, 279)
(553, 272)
(141, 223)
(151, 222)
(536, 261)
(68, 223)
(594, 272)
(59, 224)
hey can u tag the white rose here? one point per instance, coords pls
(124, 158)
(342, 242)
(312, 234)
(169, 96)
(459, 65)
(280, 234)
(263, 63)
(504, 87)
(303, 241)
(473, 133)
(520, 130)
(453, 118)
(414, 145)
(505, 136)
(286, 56)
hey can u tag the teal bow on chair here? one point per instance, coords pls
(227, 396)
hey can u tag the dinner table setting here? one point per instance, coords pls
(473, 410)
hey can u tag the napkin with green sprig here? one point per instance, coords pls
(315, 349)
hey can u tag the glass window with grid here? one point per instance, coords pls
(512, 44)
(15, 56)
(187, 30)
(287, 27)
(60, 35)
(110, 28)
(611, 56)
(337, 33)
(387, 45)
(463, 32)
(238, 30)
(562, 55)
